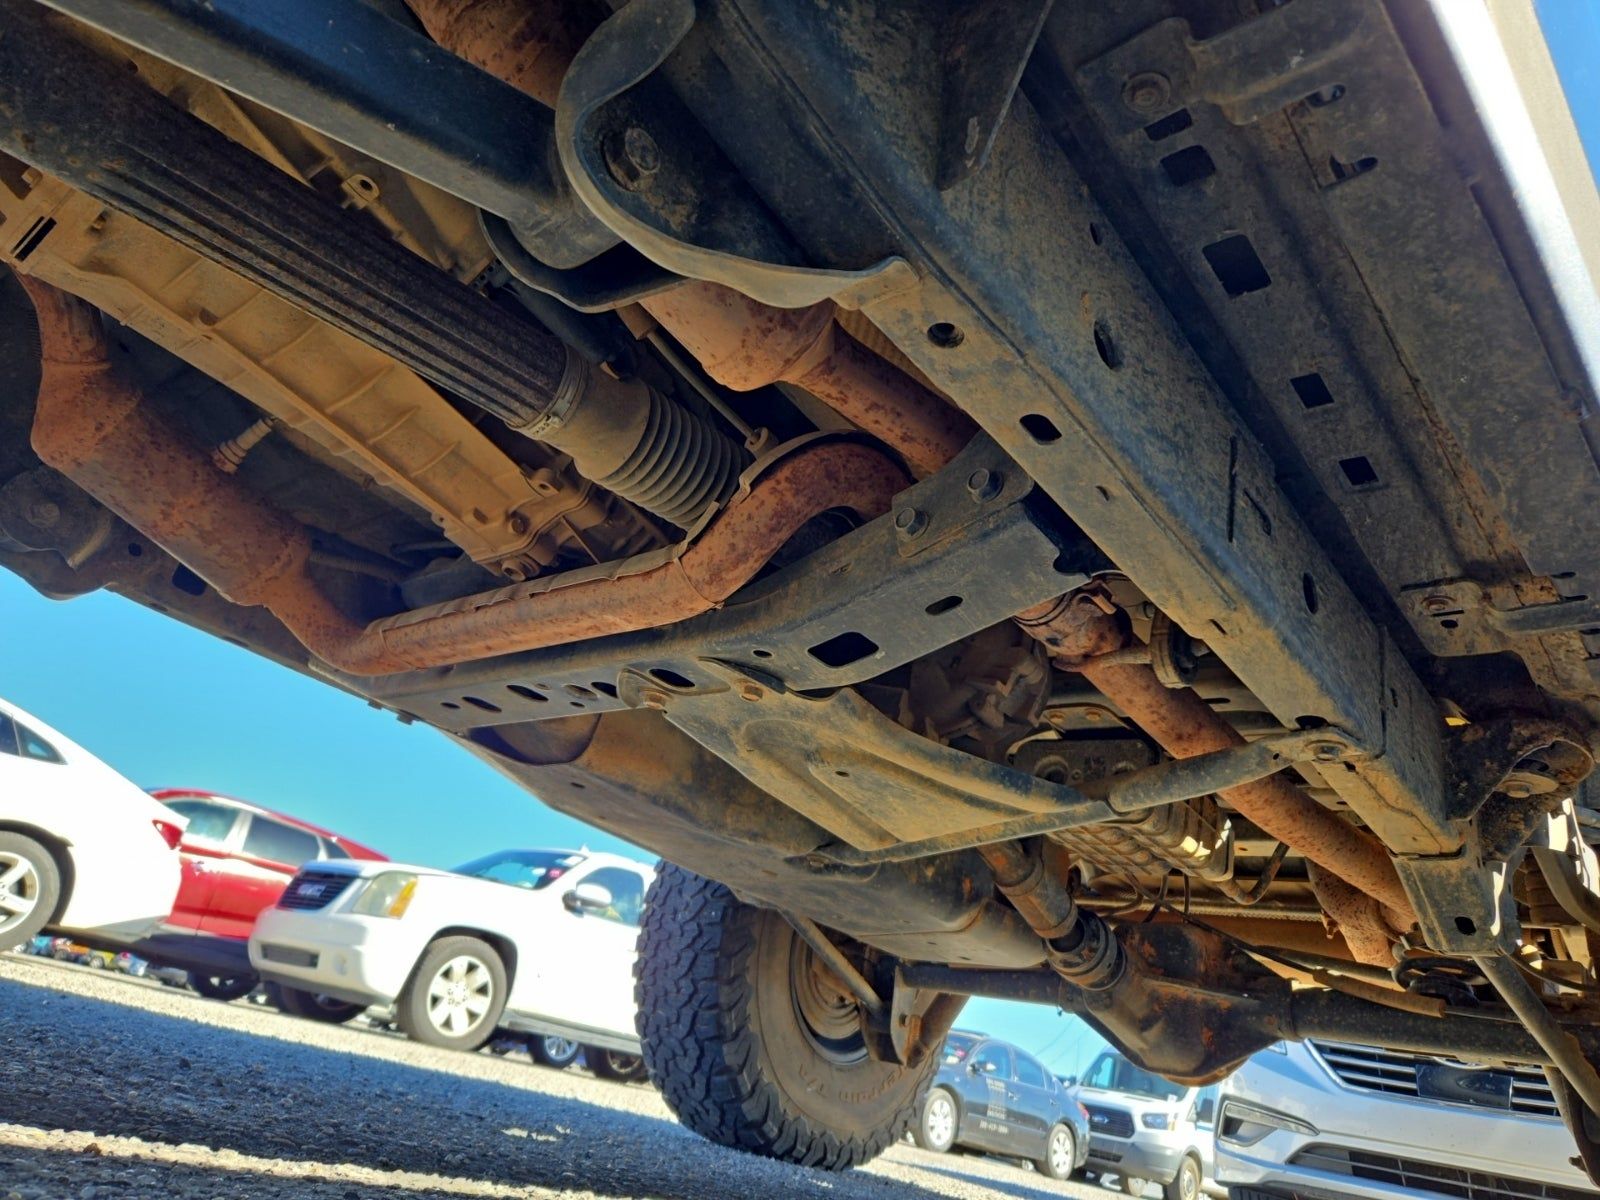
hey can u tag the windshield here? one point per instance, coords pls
(957, 1046)
(532, 869)
(1113, 1073)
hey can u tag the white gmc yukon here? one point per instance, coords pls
(540, 941)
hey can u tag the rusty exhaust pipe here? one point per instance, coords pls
(94, 427)
(744, 344)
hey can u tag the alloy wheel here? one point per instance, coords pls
(939, 1123)
(1060, 1152)
(560, 1049)
(19, 890)
(460, 995)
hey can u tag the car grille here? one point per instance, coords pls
(1113, 1122)
(313, 889)
(1429, 1177)
(1419, 1076)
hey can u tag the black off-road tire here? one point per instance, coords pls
(726, 1045)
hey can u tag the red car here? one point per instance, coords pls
(237, 860)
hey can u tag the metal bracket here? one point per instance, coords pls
(848, 612)
(627, 49)
(1499, 770)
(1251, 70)
(891, 795)
(1459, 616)
(986, 47)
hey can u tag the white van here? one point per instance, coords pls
(1144, 1129)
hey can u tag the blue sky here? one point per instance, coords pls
(169, 706)
(1572, 28)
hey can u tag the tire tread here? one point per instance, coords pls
(694, 996)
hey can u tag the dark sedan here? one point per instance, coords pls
(989, 1095)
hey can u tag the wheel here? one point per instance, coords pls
(613, 1064)
(222, 987)
(314, 1006)
(1060, 1153)
(455, 996)
(1134, 1186)
(1185, 1184)
(30, 888)
(749, 1045)
(936, 1130)
(557, 1052)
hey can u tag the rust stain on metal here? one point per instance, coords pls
(93, 426)
(1077, 630)
(692, 579)
(742, 343)
(1357, 916)
(527, 45)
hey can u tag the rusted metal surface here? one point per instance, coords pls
(369, 413)
(1081, 947)
(1357, 916)
(741, 343)
(744, 344)
(528, 45)
(92, 426)
(638, 593)
(1077, 630)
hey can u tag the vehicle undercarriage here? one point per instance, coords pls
(1068, 503)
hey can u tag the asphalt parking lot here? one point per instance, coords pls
(114, 1088)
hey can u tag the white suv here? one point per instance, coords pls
(539, 941)
(1326, 1119)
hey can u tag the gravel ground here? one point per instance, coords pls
(118, 1089)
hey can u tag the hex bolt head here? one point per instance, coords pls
(632, 156)
(1326, 752)
(984, 484)
(1436, 604)
(750, 691)
(653, 699)
(517, 524)
(1147, 92)
(1517, 789)
(910, 522)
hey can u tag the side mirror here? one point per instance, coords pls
(1207, 1115)
(587, 896)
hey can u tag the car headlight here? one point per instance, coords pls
(1157, 1120)
(1245, 1124)
(386, 895)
